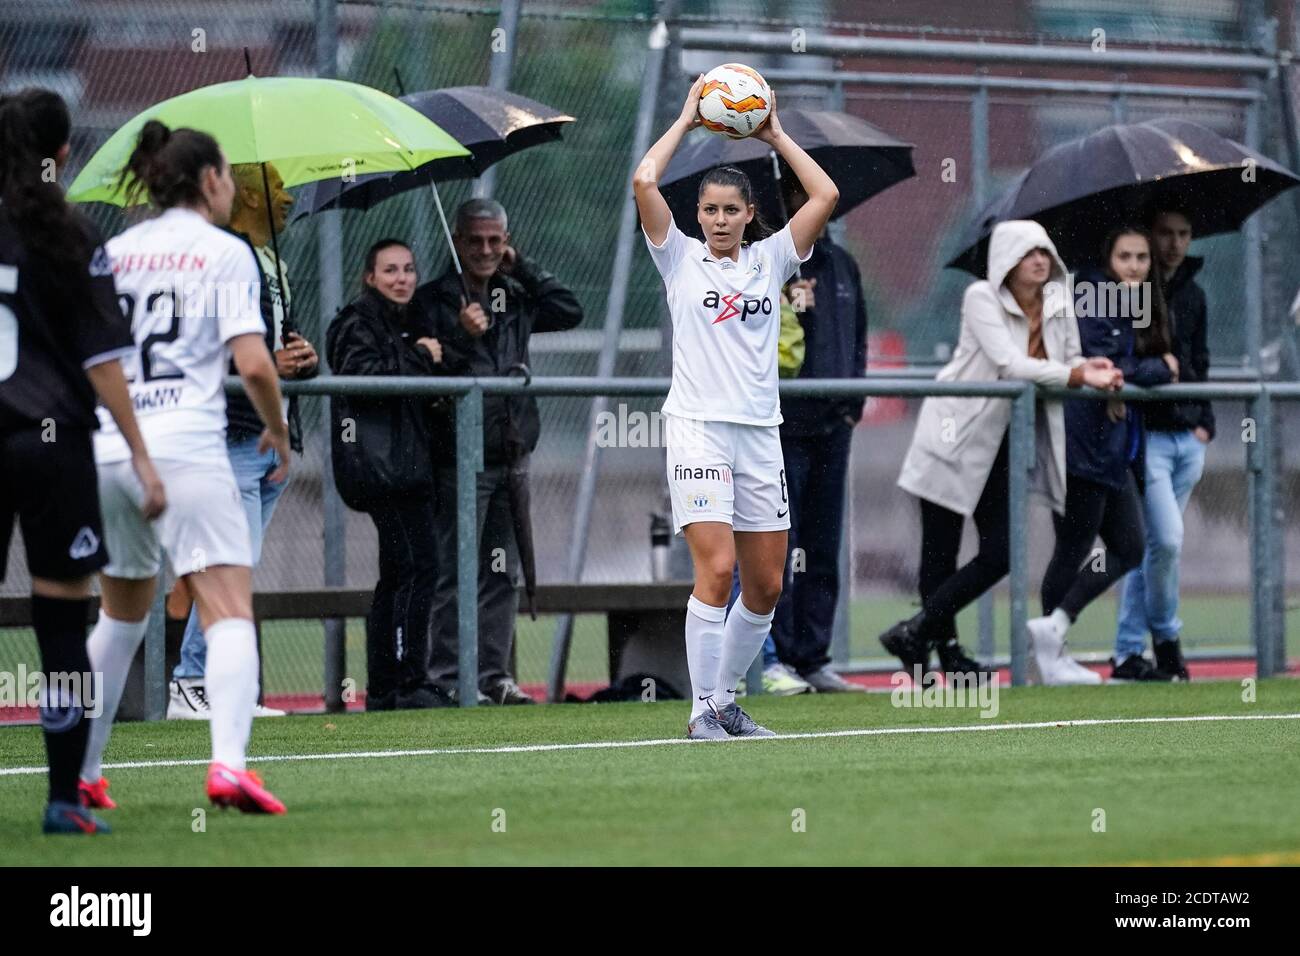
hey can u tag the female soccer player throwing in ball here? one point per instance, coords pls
(726, 474)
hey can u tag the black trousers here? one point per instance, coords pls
(498, 599)
(815, 471)
(944, 588)
(1076, 575)
(397, 629)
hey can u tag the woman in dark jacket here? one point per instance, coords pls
(382, 466)
(1122, 316)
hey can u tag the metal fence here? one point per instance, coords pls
(953, 98)
(1258, 437)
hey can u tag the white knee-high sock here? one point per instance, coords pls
(742, 639)
(111, 648)
(232, 688)
(704, 624)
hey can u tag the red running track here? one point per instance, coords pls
(1234, 669)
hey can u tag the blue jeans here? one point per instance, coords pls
(258, 495)
(1149, 597)
(769, 645)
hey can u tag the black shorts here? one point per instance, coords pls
(52, 488)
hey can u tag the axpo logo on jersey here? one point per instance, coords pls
(735, 304)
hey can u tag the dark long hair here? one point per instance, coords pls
(1156, 338)
(372, 254)
(34, 126)
(372, 260)
(169, 164)
(757, 228)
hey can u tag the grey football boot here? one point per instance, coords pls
(707, 726)
(739, 724)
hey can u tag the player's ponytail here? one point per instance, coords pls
(34, 126)
(169, 164)
(757, 228)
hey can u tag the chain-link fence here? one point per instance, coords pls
(564, 199)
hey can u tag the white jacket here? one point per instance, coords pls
(957, 439)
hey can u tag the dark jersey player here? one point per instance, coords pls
(61, 337)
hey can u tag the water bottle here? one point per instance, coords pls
(661, 536)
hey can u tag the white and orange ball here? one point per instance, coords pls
(735, 100)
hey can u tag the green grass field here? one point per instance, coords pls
(1208, 790)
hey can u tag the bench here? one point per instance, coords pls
(645, 623)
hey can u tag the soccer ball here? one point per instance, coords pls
(735, 100)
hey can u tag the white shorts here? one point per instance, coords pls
(722, 471)
(203, 525)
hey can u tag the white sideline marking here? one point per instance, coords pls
(668, 741)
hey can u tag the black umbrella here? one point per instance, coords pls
(492, 124)
(1083, 189)
(862, 159)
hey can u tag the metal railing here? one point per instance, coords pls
(1266, 628)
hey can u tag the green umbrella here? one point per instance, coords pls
(310, 128)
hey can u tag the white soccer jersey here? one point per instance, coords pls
(726, 323)
(188, 288)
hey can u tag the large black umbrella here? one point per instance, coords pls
(862, 159)
(1083, 189)
(492, 124)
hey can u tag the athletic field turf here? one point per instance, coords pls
(1210, 789)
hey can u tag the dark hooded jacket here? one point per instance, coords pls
(381, 446)
(1097, 448)
(835, 342)
(1187, 319)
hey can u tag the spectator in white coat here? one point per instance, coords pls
(1017, 324)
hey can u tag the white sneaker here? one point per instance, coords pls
(261, 711)
(189, 700)
(780, 681)
(1070, 671)
(1044, 649)
(1050, 664)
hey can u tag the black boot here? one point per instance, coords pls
(905, 641)
(1135, 667)
(953, 659)
(1169, 658)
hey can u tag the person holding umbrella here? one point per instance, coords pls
(1177, 434)
(816, 436)
(254, 221)
(958, 462)
(381, 461)
(484, 319)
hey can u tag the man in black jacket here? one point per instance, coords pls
(295, 358)
(1177, 433)
(486, 335)
(816, 434)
